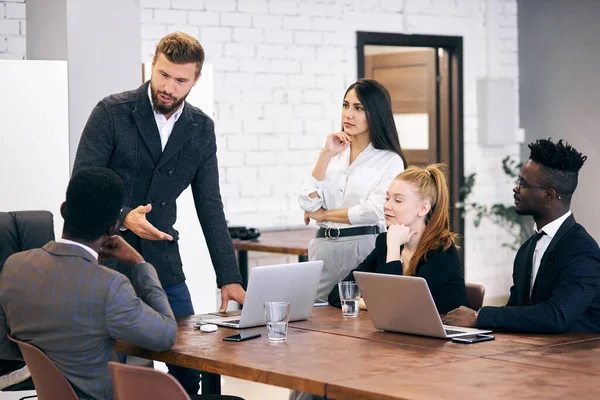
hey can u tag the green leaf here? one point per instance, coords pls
(502, 215)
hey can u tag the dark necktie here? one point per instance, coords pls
(529, 265)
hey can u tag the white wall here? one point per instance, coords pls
(101, 45)
(560, 99)
(48, 34)
(34, 139)
(12, 29)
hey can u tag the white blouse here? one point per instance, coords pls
(359, 187)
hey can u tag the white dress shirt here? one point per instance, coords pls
(83, 246)
(550, 230)
(360, 187)
(165, 126)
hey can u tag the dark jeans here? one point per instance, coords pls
(181, 304)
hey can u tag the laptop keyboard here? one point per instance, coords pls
(232, 321)
(452, 332)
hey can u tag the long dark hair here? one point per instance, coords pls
(378, 105)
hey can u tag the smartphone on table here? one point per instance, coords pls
(240, 337)
(473, 339)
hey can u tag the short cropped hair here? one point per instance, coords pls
(181, 48)
(94, 200)
(561, 163)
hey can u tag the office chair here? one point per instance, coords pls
(20, 231)
(139, 383)
(50, 383)
(475, 294)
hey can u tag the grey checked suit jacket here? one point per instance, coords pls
(121, 134)
(60, 300)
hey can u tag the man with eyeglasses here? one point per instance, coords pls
(556, 275)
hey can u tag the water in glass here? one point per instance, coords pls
(277, 331)
(350, 308)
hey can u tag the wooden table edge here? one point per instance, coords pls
(257, 246)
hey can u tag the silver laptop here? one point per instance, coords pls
(294, 283)
(404, 304)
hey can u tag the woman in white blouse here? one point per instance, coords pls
(346, 190)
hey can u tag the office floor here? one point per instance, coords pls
(253, 390)
(15, 395)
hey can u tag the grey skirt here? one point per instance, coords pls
(340, 256)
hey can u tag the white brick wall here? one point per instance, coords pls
(12, 29)
(281, 68)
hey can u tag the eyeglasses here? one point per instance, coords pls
(522, 184)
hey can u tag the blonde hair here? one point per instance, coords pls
(181, 48)
(431, 185)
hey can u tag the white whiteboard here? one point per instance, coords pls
(34, 138)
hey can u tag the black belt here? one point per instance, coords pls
(334, 233)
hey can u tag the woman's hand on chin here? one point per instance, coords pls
(398, 235)
(336, 142)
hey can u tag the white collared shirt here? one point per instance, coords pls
(83, 246)
(550, 230)
(165, 126)
(360, 187)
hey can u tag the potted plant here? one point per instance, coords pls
(519, 227)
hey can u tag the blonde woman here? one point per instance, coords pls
(418, 241)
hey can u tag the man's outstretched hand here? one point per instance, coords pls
(136, 222)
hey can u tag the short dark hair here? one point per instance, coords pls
(377, 102)
(560, 162)
(181, 48)
(94, 201)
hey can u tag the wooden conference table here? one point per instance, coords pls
(349, 359)
(292, 241)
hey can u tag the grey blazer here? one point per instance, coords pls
(60, 300)
(121, 134)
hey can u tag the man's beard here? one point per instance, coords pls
(162, 108)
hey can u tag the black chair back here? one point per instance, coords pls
(20, 231)
(24, 230)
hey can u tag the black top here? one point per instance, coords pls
(442, 271)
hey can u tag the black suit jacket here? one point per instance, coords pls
(121, 134)
(566, 292)
(440, 268)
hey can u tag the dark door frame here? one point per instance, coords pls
(453, 45)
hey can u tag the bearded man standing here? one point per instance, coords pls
(159, 145)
